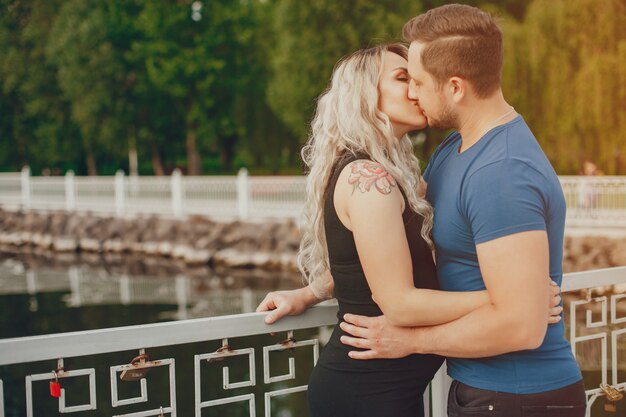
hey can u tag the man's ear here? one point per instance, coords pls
(457, 88)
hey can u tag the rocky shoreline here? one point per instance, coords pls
(198, 241)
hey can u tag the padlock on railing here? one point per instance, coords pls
(613, 395)
(138, 370)
(223, 351)
(55, 386)
(289, 343)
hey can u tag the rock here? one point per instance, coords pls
(179, 251)
(197, 257)
(114, 246)
(617, 253)
(64, 244)
(135, 247)
(231, 258)
(90, 245)
(45, 242)
(72, 225)
(150, 248)
(165, 249)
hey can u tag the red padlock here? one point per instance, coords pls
(55, 387)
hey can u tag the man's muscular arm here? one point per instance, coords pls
(514, 268)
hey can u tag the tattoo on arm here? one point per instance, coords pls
(364, 174)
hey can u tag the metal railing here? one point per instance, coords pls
(595, 200)
(598, 317)
(591, 201)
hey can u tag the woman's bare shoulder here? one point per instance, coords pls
(365, 175)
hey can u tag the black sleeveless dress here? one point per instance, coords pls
(343, 387)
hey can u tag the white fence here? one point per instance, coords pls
(591, 201)
(596, 325)
(223, 197)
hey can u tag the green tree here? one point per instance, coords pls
(310, 37)
(564, 72)
(91, 75)
(37, 115)
(201, 65)
(12, 121)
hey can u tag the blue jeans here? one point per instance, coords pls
(466, 401)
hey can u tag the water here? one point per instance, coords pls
(40, 295)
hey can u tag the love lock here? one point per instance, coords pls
(289, 343)
(224, 350)
(55, 386)
(140, 367)
(612, 396)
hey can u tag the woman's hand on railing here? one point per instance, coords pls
(287, 303)
(555, 301)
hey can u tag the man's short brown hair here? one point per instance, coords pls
(459, 41)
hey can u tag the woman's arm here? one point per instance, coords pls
(293, 302)
(371, 206)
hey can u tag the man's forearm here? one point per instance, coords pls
(481, 333)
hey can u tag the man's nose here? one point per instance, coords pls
(412, 90)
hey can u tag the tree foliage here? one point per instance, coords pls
(564, 71)
(312, 36)
(83, 84)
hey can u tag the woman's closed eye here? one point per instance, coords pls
(402, 75)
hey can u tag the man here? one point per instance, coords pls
(499, 222)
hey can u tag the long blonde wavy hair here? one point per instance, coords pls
(347, 120)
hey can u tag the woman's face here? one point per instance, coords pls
(393, 88)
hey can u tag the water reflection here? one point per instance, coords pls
(77, 284)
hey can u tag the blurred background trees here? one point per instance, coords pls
(210, 86)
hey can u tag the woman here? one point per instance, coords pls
(366, 237)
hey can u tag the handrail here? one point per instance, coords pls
(574, 281)
(91, 342)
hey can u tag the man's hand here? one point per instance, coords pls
(285, 303)
(382, 339)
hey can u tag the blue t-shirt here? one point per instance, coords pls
(503, 184)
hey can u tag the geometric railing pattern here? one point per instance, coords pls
(606, 330)
(88, 343)
(599, 318)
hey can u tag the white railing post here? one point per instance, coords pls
(439, 386)
(182, 296)
(125, 290)
(70, 190)
(248, 304)
(119, 193)
(26, 191)
(74, 276)
(243, 194)
(177, 193)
